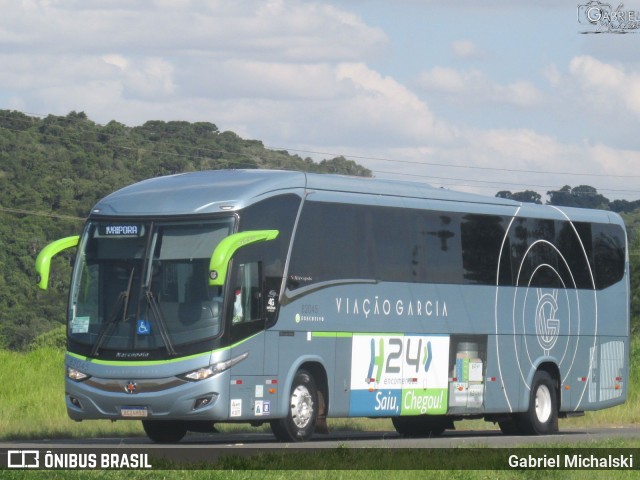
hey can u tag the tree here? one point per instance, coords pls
(528, 196)
(343, 166)
(582, 196)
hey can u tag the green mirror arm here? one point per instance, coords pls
(43, 262)
(227, 247)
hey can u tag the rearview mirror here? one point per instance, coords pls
(227, 247)
(43, 262)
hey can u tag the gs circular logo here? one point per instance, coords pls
(544, 314)
(547, 325)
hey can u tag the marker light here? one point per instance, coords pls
(211, 370)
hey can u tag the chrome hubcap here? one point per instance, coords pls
(301, 406)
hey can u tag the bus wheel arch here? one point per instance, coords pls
(307, 405)
(319, 374)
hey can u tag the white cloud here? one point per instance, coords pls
(292, 30)
(604, 86)
(388, 108)
(347, 104)
(150, 78)
(296, 73)
(466, 50)
(475, 87)
(486, 161)
(155, 59)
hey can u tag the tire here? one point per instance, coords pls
(300, 422)
(422, 426)
(509, 427)
(165, 431)
(542, 416)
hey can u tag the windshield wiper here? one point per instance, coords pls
(122, 305)
(162, 324)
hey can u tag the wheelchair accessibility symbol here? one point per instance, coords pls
(143, 327)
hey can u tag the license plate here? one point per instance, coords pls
(134, 412)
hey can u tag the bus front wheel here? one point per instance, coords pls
(165, 431)
(300, 422)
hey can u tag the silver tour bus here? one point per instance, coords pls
(287, 298)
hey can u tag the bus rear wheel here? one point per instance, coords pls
(422, 426)
(509, 426)
(300, 422)
(542, 416)
(165, 431)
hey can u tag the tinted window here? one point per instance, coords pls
(608, 253)
(542, 267)
(330, 245)
(482, 237)
(276, 213)
(259, 268)
(444, 247)
(576, 251)
(342, 241)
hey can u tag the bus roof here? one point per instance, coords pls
(230, 190)
(197, 192)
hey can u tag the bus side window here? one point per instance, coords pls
(246, 310)
(247, 294)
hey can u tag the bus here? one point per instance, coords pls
(287, 298)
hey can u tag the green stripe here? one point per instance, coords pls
(379, 334)
(149, 363)
(332, 334)
(352, 334)
(145, 363)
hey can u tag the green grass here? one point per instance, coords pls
(32, 404)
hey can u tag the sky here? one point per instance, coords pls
(467, 95)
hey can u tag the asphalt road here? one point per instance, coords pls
(351, 439)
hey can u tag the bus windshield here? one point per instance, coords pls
(143, 287)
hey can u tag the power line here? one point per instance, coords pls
(470, 167)
(205, 150)
(19, 211)
(489, 183)
(358, 157)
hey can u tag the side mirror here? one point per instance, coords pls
(227, 247)
(43, 262)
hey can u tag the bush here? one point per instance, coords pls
(55, 339)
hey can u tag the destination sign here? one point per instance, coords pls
(120, 230)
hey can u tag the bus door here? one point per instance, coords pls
(246, 316)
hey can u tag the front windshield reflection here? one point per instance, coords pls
(145, 287)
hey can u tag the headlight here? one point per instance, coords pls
(211, 370)
(76, 375)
